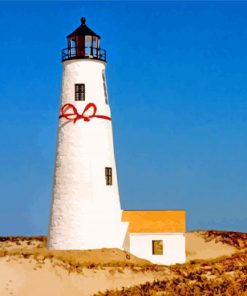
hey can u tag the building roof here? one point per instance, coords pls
(155, 221)
(83, 30)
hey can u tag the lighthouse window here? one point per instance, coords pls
(104, 86)
(157, 247)
(80, 92)
(108, 176)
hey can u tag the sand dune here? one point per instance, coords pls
(27, 268)
(25, 277)
(22, 277)
(197, 247)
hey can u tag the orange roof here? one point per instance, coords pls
(155, 221)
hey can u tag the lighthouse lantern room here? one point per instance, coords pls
(86, 211)
(83, 43)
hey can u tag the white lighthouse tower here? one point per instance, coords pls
(86, 211)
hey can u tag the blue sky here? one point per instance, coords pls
(176, 79)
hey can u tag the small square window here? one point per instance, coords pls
(157, 247)
(80, 92)
(108, 176)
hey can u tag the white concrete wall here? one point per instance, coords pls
(173, 247)
(86, 213)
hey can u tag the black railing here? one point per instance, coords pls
(83, 53)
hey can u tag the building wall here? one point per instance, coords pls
(86, 212)
(173, 247)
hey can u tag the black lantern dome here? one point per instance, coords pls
(83, 43)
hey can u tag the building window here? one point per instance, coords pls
(80, 92)
(157, 247)
(104, 86)
(108, 176)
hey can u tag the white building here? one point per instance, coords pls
(158, 236)
(86, 211)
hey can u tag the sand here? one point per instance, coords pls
(198, 248)
(22, 275)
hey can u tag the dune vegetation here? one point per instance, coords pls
(226, 275)
(217, 265)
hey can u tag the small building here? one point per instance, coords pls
(158, 236)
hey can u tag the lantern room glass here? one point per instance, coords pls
(83, 46)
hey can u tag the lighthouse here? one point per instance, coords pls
(86, 211)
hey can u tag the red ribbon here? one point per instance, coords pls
(73, 115)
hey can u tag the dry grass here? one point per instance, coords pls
(222, 276)
(235, 239)
(74, 261)
(226, 276)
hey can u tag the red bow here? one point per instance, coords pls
(74, 115)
